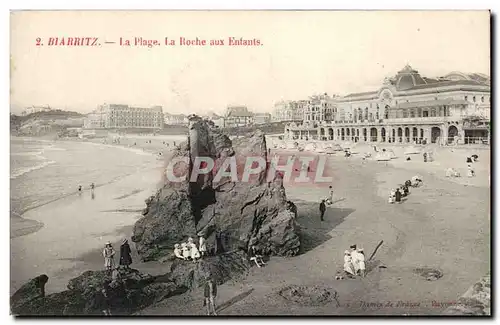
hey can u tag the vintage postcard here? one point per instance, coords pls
(244, 163)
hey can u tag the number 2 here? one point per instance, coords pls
(38, 41)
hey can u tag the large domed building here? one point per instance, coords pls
(407, 108)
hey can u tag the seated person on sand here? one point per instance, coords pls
(255, 256)
(416, 181)
(475, 158)
(470, 171)
(360, 266)
(469, 160)
(452, 172)
(392, 196)
(348, 267)
(195, 253)
(406, 190)
(178, 251)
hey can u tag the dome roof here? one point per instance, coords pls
(408, 78)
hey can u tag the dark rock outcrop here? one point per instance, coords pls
(230, 215)
(129, 292)
(32, 290)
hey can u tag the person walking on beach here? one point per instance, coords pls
(92, 186)
(210, 295)
(109, 256)
(329, 198)
(79, 189)
(125, 257)
(322, 209)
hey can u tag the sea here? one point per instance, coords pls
(42, 171)
(52, 225)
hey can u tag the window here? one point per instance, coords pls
(482, 99)
(474, 99)
(465, 97)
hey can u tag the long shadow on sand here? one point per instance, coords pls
(313, 232)
(234, 300)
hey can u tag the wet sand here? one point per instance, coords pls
(59, 235)
(443, 224)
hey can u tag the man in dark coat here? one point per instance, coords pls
(125, 257)
(322, 209)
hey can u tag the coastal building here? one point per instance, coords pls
(35, 109)
(124, 116)
(237, 116)
(289, 110)
(217, 119)
(176, 119)
(95, 120)
(407, 108)
(319, 108)
(262, 118)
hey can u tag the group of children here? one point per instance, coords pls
(397, 194)
(109, 255)
(354, 263)
(189, 251)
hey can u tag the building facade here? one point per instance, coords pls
(35, 109)
(262, 118)
(176, 119)
(289, 110)
(237, 116)
(111, 116)
(407, 108)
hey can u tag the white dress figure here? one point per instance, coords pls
(361, 261)
(195, 253)
(203, 246)
(355, 261)
(178, 251)
(392, 196)
(186, 252)
(348, 263)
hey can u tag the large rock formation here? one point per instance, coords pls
(234, 215)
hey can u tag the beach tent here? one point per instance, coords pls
(337, 147)
(390, 153)
(412, 151)
(321, 147)
(311, 146)
(383, 156)
(329, 151)
(292, 145)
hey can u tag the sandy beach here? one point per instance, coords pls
(444, 224)
(61, 233)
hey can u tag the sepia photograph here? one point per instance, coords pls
(231, 163)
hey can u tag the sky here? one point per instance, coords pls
(302, 53)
